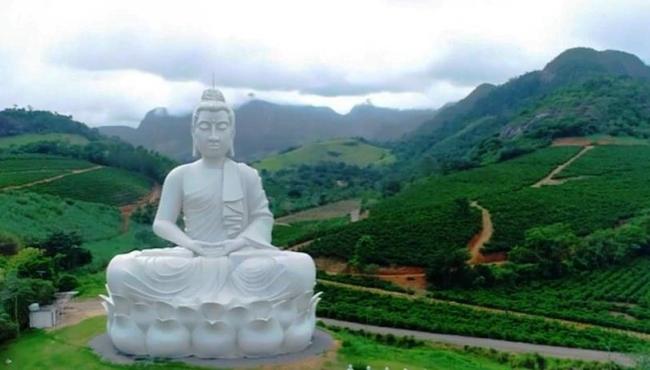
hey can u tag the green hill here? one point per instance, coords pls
(33, 216)
(421, 226)
(23, 169)
(25, 131)
(431, 221)
(72, 178)
(19, 140)
(582, 91)
(349, 151)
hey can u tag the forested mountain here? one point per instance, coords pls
(264, 128)
(493, 116)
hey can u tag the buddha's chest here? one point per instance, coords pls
(202, 190)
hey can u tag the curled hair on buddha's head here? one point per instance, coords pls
(212, 100)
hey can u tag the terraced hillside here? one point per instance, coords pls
(422, 225)
(72, 178)
(432, 221)
(22, 170)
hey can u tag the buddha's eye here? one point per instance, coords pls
(222, 126)
(204, 126)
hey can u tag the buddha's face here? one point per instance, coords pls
(213, 134)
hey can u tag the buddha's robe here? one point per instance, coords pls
(229, 204)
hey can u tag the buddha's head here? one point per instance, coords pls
(213, 126)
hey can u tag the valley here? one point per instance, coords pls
(516, 218)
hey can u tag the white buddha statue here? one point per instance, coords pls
(224, 291)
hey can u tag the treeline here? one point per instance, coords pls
(107, 152)
(32, 274)
(17, 121)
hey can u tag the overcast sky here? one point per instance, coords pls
(111, 63)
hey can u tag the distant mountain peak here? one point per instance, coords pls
(588, 60)
(157, 112)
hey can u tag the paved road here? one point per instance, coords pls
(499, 345)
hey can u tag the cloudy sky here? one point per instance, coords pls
(109, 62)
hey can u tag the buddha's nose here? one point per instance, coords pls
(214, 136)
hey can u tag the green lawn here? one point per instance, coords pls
(349, 151)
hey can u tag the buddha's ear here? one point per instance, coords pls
(232, 148)
(195, 150)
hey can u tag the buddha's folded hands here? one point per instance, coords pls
(222, 248)
(167, 252)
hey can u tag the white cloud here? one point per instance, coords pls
(110, 62)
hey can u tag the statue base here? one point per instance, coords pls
(322, 342)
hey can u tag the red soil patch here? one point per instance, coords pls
(127, 210)
(581, 141)
(408, 277)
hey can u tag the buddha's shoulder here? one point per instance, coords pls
(178, 172)
(246, 171)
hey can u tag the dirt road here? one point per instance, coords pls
(54, 178)
(81, 309)
(480, 239)
(499, 345)
(549, 180)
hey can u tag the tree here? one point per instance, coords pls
(365, 250)
(66, 250)
(391, 188)
(547, 249)
(18, 293)
(9, 244)
(32, 263)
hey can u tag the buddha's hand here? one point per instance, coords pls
(223, 248)
(196, 247)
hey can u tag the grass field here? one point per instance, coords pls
(107, 185)
(16, 141)
(349, 151)
(33, 216)
(67, 349)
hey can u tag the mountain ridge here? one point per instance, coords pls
(264, 127)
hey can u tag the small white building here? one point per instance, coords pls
(42, 317)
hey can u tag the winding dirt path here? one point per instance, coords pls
(127, 210)
(549, 180)
(478, 241)
(54, 178)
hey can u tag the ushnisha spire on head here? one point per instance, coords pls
(213, 94)
(213, 100)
